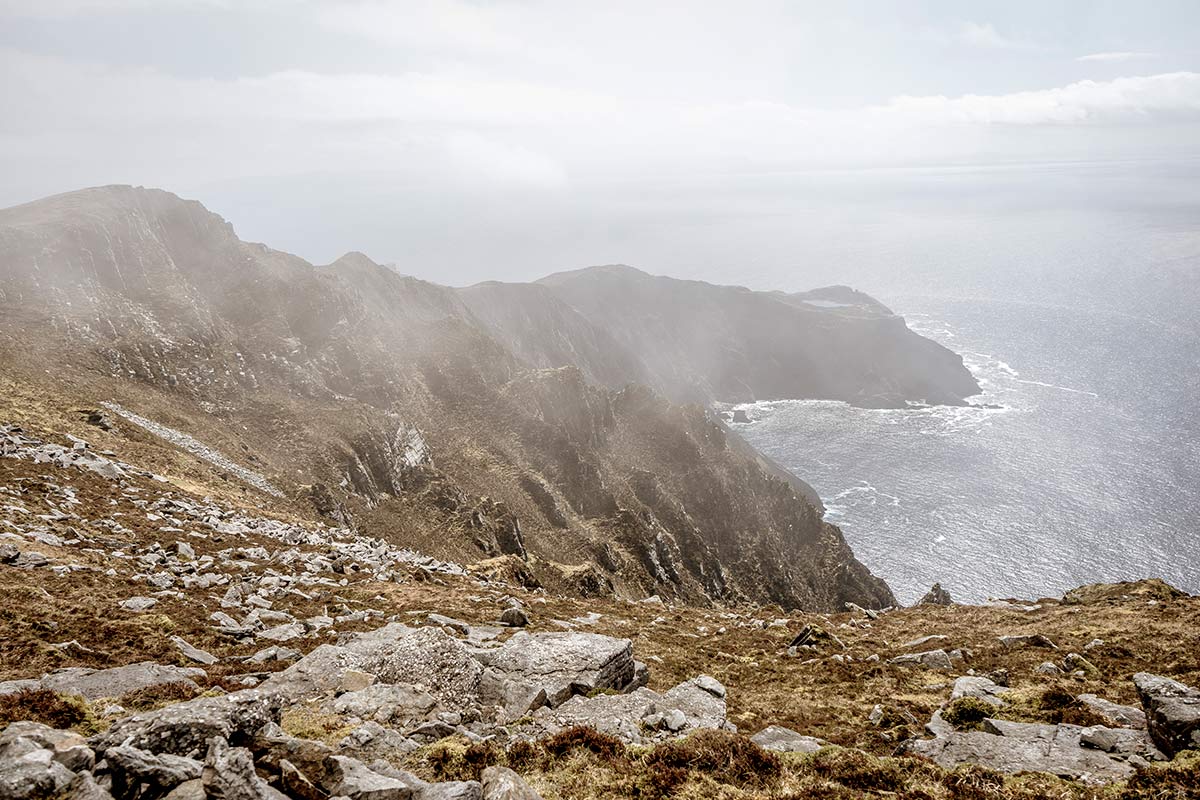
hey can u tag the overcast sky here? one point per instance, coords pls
(409, 129)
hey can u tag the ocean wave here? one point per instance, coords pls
(1059, 388)
(862, 494)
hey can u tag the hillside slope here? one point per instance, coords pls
(383, 402)
(147, 618)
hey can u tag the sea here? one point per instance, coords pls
(1072, 292)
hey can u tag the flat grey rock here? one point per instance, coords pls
(282, 633)
(1038, 748)
(980, 688)
(936, 638)
(194, 653)
(929, 659)
(786, 740)
(1116, 714)
(273, 653)
(1121, 742)
(564, 663)
(349, 777)
(93, 684)
(138, 603)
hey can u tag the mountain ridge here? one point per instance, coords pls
(324, 374)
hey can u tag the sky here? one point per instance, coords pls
(464, 140)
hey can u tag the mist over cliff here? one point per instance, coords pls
(545, 413)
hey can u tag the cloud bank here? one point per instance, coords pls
(504, 130)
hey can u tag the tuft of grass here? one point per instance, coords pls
(578, 738)
(1178, 779)
(721, 756)
(153, 697)
(49, 708)
(307, 723)
(967, 713)
(1057, 704)
(857, 770)
(522, 755)
(455, 759)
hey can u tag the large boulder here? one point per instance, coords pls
(318, 672)
(183, 729)
(1172, 712)
(427, 658)
(399, 704)
(565, 663)
(432, 660)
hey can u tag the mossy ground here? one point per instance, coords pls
(580, 764)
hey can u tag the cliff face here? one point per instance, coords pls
(400, 406)
(698, 342)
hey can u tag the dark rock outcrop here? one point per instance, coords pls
(1172, 712)
(936, 596)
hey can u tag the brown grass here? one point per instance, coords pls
(46, 707)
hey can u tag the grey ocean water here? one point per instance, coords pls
(1072, 293)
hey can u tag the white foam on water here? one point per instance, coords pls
(1060, 388)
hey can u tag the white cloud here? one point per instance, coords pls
(1119, 100)
(1116, 56)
